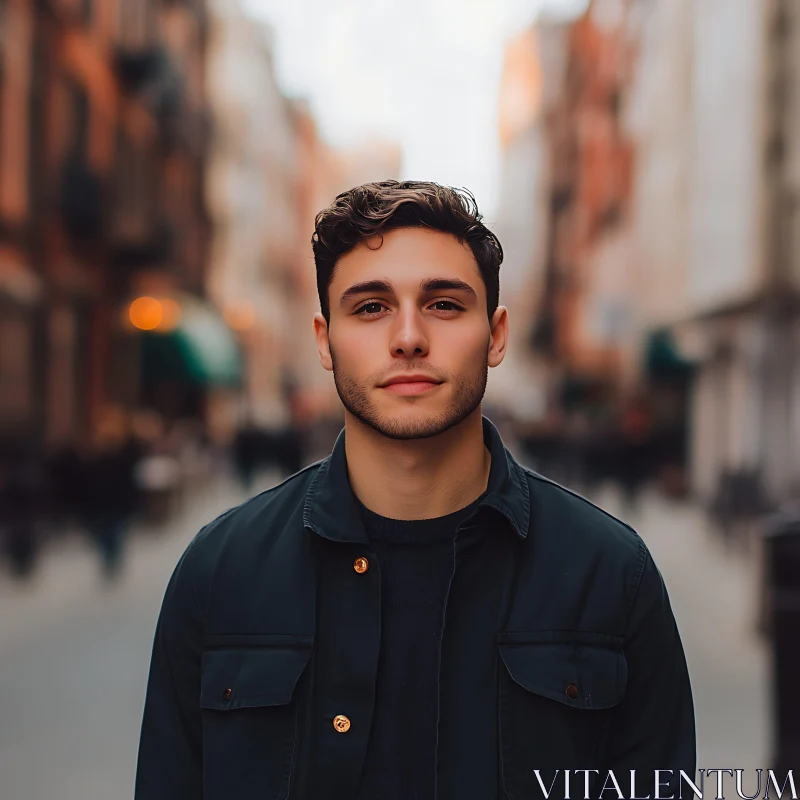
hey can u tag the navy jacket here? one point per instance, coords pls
(559, 652)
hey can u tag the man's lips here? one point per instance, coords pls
(414, 387)
(411, 384)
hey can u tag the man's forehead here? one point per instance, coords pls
(412, 237)
(407, 256)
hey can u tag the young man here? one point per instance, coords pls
(416, 616)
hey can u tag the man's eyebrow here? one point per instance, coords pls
(440, 284)
(366, 287)
(426, 286)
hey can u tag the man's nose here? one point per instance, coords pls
(409, 339)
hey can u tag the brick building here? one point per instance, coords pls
(582, 316)
(21, 290)
(103, 131)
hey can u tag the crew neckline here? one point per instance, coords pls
(414, 531)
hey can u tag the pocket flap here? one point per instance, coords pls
(250, 677)
(578, 675)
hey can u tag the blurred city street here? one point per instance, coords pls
(163, 170)
(76, 653)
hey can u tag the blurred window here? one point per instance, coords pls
(134, 187)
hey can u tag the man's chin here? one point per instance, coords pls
(408, 433)
(410, 424)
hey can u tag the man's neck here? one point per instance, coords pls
(417, 478)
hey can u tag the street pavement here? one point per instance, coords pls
(75, 652)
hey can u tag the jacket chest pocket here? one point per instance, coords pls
(250, 719)
(556, 696)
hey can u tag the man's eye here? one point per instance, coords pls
(370, 308)
(447, 305)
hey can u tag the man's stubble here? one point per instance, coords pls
(468, 392)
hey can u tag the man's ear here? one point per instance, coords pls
(323, 342)
(499, 340)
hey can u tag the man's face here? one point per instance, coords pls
(412, 307)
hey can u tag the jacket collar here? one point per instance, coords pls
(330, 509)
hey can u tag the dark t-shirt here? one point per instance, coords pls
(416, 562)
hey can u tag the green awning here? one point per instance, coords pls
(201, 349)
(662, 357)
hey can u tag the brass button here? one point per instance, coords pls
(572, 690)
(341, 724)
(361, 565)
(226, 695)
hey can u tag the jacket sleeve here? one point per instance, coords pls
(170, 748)
(653, 727)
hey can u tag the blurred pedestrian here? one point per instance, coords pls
(108, 488)
(157, 474)
(292, 441)
(634, 452)
(247, 452)
(21, 493)
(64, 479)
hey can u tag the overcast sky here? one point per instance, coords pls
(423, 72)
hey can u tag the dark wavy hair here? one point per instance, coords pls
(376, 208)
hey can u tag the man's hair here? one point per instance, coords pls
(376, 208)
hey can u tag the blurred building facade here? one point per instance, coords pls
(252, 187)
(583, 317)
(571, 154)
(520, 384)
(670, 231)
(161, 229)
(103, 134)
(566, 189)
(21, 287)
(717, 228)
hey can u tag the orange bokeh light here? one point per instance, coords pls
(146, 313)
